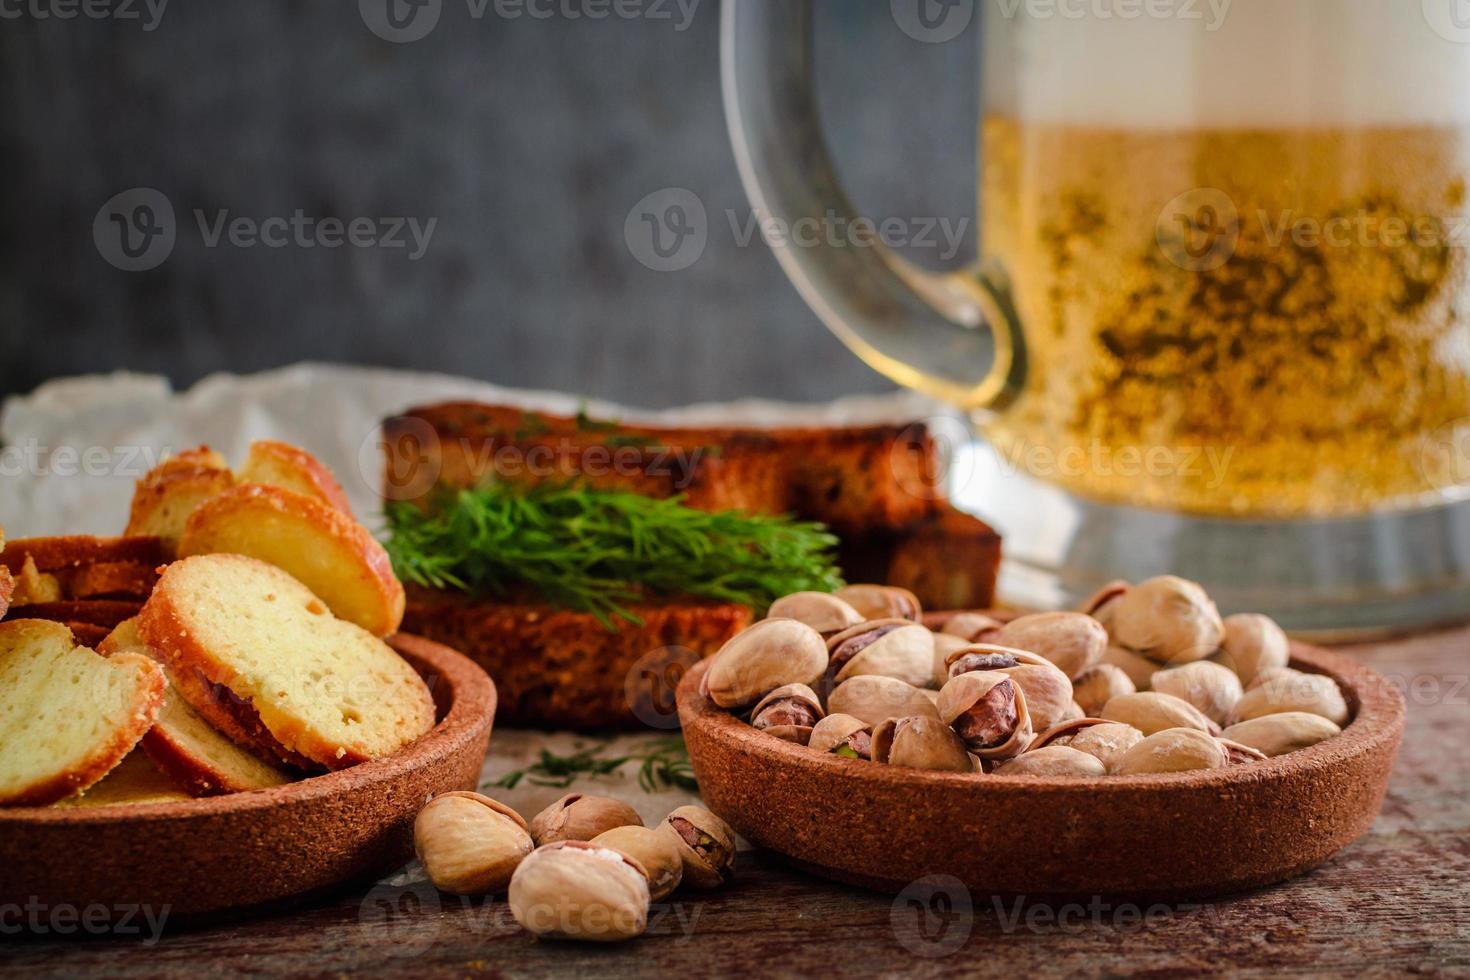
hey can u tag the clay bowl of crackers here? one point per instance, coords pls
(1141, 746)
(214, 711)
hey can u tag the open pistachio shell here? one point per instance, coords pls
(1071, 641)
(705, 843)
(1151, 712)
(1213, 689)
(1104, 740)
(1169, 620)
(1253, 643)
(770, 654)
(834, 734)
(881, 601)
(1005, 728)
(1052, 760)
(578, 890)
(577, 816)
(1315, 694)
(1048, 693)
(887, 647)
(873, 697)
(970, 626)
(1101, 604)
(1239, 754)
(788, 713)
(1281, 733)
(661, 860)
(920, 743)
(470, 844)
(1098, 685)
(822, 611)
(1174, 750)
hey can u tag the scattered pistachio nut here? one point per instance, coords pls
(873, 697)
(1213, 689)
(885, 647)
(769, 654)
(1254, 643)
(822, 611)
(1052, 760)
(970, 626)
(881, 601)
(705, 843)
(660, 859)
(844, 735)
(988, 710)
(1281, 733)
(1151, 712)
(1174, 750)
(1169, 620)
(1294, 690)
(1098, 685)
(920, 743)
(580, 890)
(1071, 641)
(788, 713)
(470, 844)
(577, 816)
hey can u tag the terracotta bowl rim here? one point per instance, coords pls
(1377, 708)
(472, 702)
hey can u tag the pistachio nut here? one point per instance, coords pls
(843, 735)
(1278, 734)
(1254, 643)
(1102, 603)
(988, 710)
(580, 817)
(1098, 685)
(970, 626)
(873, 697)
(661, 860)
(770, 654)
(1071, 641)
(788, 713)
(1239, 754)
(579, 890)
(1169, 620)
(980, 656)
(1174, 750)
(1271, 673)
(704, 842)
(1105, 741)
(1048, 693)
(920, 743)
(1052, 760)
(1151, 712)
(944, 645)
(1316, 694)
(1140, 669)
(887, 647)
(470, 844)
(881, 601)
(1213, 689)
(822, 611)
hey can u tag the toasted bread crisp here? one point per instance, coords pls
(329, 552)
(7, 586)
(278, 464)
(67, 715)
(193, 753)
(135, 780)
(66, 553)
(113, 579)
(323, 688)
(174, 489)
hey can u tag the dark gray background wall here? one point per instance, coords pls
(528, 139)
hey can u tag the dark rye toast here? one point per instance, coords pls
(876, 486)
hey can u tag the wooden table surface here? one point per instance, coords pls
(1397, 902)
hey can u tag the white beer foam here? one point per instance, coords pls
(1227, 63)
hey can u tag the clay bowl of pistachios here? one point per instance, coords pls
(1143, 745)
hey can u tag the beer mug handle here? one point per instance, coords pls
(954, 335)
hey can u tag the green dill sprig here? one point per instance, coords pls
(597, 550)
(664, 766)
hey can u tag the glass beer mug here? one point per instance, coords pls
(1220, 321)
